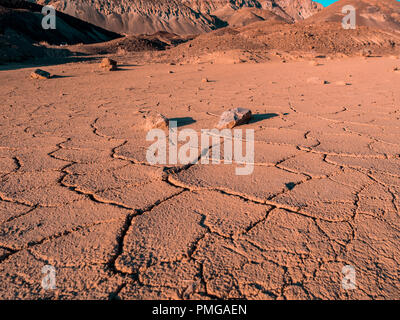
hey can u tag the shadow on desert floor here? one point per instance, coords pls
(56, 76)
(43, 62)
(183, 121)
(262, 116)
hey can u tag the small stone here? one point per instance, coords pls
(342, 83)
(155, 120)
(233, 118)
(315, 80)
(204, 80)
(108, 64)
(366, 53)
(396, 69)
(314, 63)
(40, 74)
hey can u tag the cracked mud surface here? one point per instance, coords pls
(77, 193)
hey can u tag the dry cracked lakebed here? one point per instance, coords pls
(76, 192)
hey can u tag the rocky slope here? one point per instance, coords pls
(22, 37)
(381, 14)
(377, 33)
(297, 9)
(180, 16)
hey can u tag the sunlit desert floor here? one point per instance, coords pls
(78, 194)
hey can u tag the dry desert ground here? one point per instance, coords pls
(77, 192)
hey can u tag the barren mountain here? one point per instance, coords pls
(381, 14)
(180, 16)
(21, 34)
(245, 16)
(297, 9)
(377, 33)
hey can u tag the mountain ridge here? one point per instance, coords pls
(178, 16)
(22, 37)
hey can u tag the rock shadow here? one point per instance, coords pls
(262, 116)
(184, 121)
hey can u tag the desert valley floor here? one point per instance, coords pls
(77, 193)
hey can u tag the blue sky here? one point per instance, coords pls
(327, 2)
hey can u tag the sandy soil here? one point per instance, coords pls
(76, 191)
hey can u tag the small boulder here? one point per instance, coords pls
(233, 118)
(366, 53)
(108, 64)
(314, 63)
(342, 83)
(40, 74)
(154, 120)
(205, 80)
(316, 80)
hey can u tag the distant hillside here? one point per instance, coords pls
(377, 33)
(382, 14)
(180, 16)
(21, 32)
